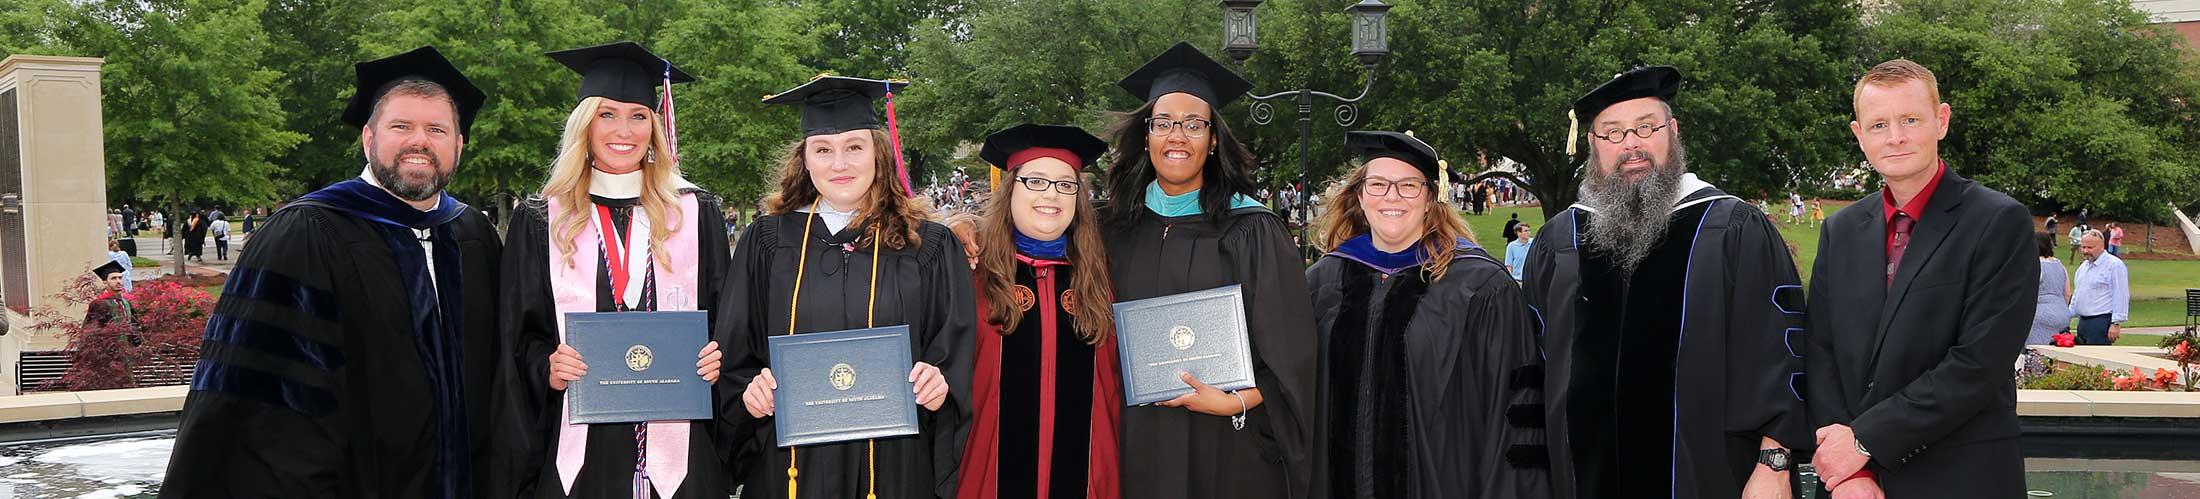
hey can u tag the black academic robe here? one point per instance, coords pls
(1661, 383)
(311, 383)
(1430, 389)
(194, 238)
(926, 287)
(528, 314)
(1170, 453)
(1045, 403)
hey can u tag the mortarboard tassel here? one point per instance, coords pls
(893, 133)
(993, 178)
(1443, 180)
(672, 133)
(1573, 132)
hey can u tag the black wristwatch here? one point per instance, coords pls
(1777, 459)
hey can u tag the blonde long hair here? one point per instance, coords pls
(568, 184)
(1441, 227)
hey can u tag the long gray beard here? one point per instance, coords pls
(1631, 216)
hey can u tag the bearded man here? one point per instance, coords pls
(1669, 308)
(354, 350)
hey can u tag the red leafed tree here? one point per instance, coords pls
(159, 346)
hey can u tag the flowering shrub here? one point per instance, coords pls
(157, 347)
(2184, 347)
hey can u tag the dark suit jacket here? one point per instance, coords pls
(1922, 369)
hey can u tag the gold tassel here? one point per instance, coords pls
(1443, 180)
(1573, 132)
(871, 454)
(993, 178)
(870, 316)
(791, 474)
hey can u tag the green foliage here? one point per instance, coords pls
(2060, 103)
(730, 143)
(499, 45)
(311, 49)
(190, 109)
(2070, 377)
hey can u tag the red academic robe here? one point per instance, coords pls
(1047, 321)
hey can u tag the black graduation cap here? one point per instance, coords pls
(1186, 69)
(620, 71)
(110, 268)
(424, 63)
(835, 104)
(1004, 144)
(1394, 145)
(1662, 82)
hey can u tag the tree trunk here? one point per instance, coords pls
(175, 243)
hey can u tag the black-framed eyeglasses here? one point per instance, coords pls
(1193, 127)
(1407, 189)
(1036, 184)
(1642, 131)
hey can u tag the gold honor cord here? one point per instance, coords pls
(870, 315)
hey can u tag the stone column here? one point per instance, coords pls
(53, 190)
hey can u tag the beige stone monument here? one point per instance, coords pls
(53, 191)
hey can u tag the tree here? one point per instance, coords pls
(2061, 104)
(30, 26)
(191, 114)
(311, 49)
(1045, 62)
(1759, 105)
(500, 46)
(730, 142)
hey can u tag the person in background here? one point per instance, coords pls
(2052, 313)
(115, 254)
(194, 237)
(2115, 239)
(2076, 232)
(219, 230)
(1516, 252)
(2101, 294)
(111, 304)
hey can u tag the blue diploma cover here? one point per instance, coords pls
(1200, 332)
(641, 366)
(842, 386)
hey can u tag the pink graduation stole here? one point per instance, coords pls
(574, 289)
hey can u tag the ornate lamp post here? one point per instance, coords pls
(1370, 43)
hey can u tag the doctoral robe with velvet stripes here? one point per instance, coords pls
(1663, 382)
(311, 383)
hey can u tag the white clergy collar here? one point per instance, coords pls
(367, 174)
(615, 185)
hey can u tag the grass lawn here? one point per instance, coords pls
(2157, 286)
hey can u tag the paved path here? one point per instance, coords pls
(151, 246)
